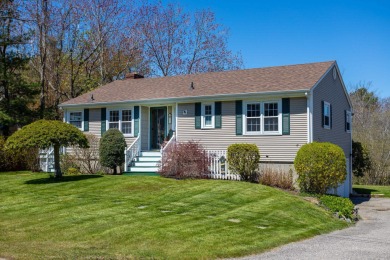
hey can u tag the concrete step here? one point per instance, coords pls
(143, 169)
(148, 159)
(146, 164)
(150, 154)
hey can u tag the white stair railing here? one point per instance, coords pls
(169, 144)
(132, 151)
(46, 159)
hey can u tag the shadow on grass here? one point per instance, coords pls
(364, 190)
(50, 179)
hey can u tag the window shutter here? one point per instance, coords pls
(322, 113)
(103, 120)
(285, 116)
(198, 115)
(330, 117)
(218, 114)
(345, 120)
(136, 120)
(238, 117)
(86, 120)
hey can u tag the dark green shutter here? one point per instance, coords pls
(345, 121)
(218, 114)
(330, 117)
(198, 115)
(86, 120)
(136, 120)
(103, 120)
(285, 116)
(238, 117)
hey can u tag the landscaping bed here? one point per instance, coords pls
(91, 216)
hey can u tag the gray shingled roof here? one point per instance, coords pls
(270, 79)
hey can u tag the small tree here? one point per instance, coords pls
(111, 150)
(48, 133)
(320, 166)
(361, 161)
(244, 159)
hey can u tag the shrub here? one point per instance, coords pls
(343, 207)
(244, 159)
(279, 178)
(68, 161)
(111, 150)
(17, 160)
(185, 160)
(320, 166)
(72, 171)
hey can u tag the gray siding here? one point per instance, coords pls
(331, 91)
(145, 121)
(273, 148)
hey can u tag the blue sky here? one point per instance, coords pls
(270, 33)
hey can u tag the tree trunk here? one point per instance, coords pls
(115, 172)
(58, 173)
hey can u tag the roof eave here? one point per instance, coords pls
(220, 97)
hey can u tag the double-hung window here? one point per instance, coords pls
(121, 119)
(326, 114)
(76, 119)
(262, 117)
(208, 115)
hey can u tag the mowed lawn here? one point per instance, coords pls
(372, 189)
(148, 217)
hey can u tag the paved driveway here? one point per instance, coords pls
(368, 239)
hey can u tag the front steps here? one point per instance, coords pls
(147, 162)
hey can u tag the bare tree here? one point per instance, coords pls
(174, 42)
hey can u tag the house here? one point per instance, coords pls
(278, 108)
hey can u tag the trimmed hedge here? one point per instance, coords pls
(111, 149)
(244, 160)
(320, 166)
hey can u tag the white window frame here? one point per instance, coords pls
(203, 125)
(262, 116)
(120, 119)
(327, 104)
(349, 118)
(82, 118)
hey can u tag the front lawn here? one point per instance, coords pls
(372, 189)
(148, 217)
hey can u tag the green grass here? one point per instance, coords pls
(372, 189)
(148, 217)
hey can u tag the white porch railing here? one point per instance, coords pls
(219, 168)
(169, 144)
(46, 159)
(132, 151)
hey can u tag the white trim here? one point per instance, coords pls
(108, 110)
(149, 128)
(262, 132)
(82, 118)
(177, 120)
(203, 115)
(308, 118)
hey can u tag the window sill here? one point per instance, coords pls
(262, 134)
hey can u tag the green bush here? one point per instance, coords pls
(320, 166)
(111, 149)
(244, 159)
(18, 160)
(342, 206)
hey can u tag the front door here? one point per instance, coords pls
(158, 126)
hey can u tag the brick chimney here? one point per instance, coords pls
(133, 75)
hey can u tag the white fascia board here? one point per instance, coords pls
(221, 97)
